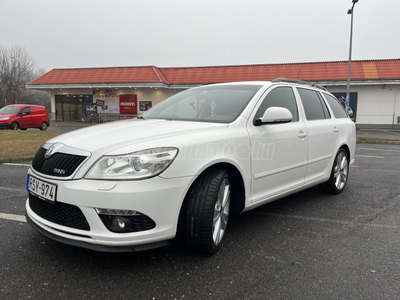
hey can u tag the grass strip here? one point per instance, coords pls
(20, 143)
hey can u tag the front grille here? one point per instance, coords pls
(59, 164)
(60, 213)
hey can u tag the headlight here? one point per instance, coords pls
(137, 165)
(4, 118)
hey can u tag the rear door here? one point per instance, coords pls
(322, 134)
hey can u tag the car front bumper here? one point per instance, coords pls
(5, 126)
(157, 198)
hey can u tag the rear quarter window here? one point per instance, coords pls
(337, 108)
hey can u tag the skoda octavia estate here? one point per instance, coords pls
(182, 168)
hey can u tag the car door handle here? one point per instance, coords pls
(335, 129)
(302, 134)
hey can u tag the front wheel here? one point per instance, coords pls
(339, 174)
(14, 126)
(206, 211)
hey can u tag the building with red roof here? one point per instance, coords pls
(375, 86)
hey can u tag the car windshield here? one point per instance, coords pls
(221, 104)
(9, 110)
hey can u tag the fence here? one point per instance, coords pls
(103, 118)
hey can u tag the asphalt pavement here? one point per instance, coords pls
(306, 246)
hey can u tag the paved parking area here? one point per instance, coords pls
(306, 246)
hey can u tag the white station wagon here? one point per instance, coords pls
(187, 164)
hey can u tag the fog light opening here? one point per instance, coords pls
(118, 223)
(124, 221)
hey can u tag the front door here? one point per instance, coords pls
(279, 151)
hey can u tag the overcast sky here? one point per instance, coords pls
(180, 33)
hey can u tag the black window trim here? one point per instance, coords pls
(323, 103)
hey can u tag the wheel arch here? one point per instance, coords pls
(16, 122)
(347, 149)
(238, 193)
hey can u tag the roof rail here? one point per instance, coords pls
(299, 82)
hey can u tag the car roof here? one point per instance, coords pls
(24, 105)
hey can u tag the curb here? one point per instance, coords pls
(379, 142)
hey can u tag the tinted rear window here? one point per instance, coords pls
(337, 108)
(312, 104)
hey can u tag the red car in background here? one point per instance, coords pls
(23, 116)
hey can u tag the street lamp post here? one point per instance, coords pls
(350, 12)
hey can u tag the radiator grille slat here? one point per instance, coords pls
(68, 163)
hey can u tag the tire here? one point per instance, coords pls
(206, 212)
(14, 126)
(43, 126)
(339, 174)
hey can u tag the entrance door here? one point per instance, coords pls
(59, 111)
(70, 112)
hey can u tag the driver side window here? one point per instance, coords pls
(280, 97)
(26, 110)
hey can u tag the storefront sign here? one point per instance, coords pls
(128, 104)
(145, 105)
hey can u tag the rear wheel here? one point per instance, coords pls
(14, 126)
(206, 211)
(339, 174)
(43, 126)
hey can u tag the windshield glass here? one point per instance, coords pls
(9, 110)
(222, 104)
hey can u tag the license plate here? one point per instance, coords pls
(42, 189)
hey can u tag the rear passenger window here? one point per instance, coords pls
(314, 108)
(280, 97)
(337, 108)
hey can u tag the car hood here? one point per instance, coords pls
(111, 136)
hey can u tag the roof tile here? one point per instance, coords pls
(317, 71)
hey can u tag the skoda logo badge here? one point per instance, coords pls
(48, 152)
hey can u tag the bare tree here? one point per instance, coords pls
(16, 70)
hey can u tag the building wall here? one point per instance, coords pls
(154, 95)
(378, 105)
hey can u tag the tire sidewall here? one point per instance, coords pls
(43, 126)
(332, 178)
(196, 225)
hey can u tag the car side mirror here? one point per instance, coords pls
(275, 115)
